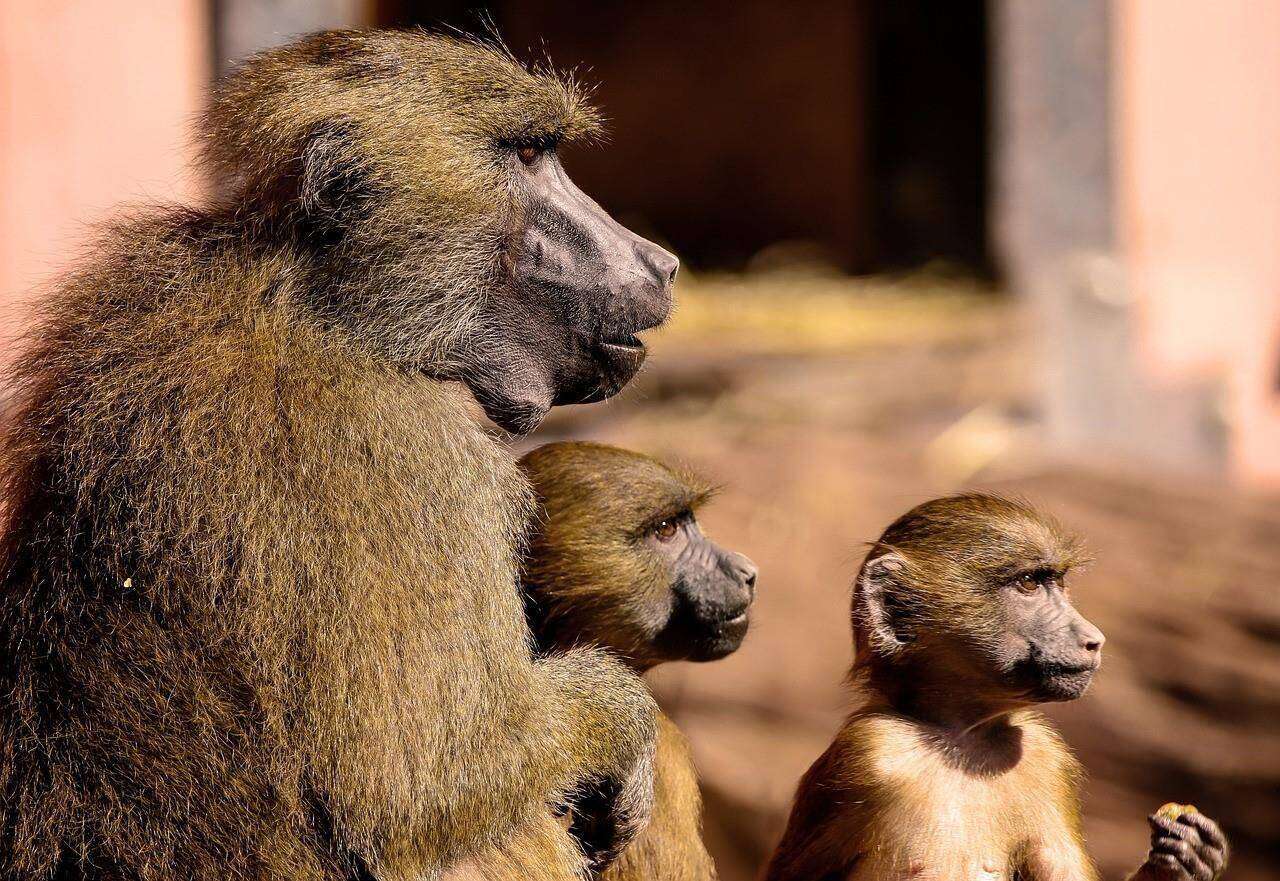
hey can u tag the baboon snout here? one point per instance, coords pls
(1073, 656)
(1089, 637)
(571, 243)
(738, 586)
(661, 262)
(638, 278)
(654, 274)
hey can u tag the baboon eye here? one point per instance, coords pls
(1028, 583)
(529, 153)
(667, 529)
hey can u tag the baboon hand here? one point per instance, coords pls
(1189, 847)
(611, 732)
(610, 813)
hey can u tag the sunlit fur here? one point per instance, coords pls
(898, 796)
(593, 583)
(258, 606)
(541, 849)
(671, 845)
(670, 848)
(886, 800)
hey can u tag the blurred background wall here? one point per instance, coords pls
(1022, 245)
(94, 111)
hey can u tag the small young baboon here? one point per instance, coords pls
(618, 560)
(961, 623)
(259, 614)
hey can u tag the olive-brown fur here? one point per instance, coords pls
(258, 566)
(671, 845)
(393, 129)
(670, 848)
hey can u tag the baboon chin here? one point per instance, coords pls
(259, 614)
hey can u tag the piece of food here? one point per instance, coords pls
(1173, 810)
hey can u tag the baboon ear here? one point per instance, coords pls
(878, 610)
(334, 188)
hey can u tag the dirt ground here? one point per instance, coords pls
(826, 407)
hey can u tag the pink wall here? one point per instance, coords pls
(96, 101)
(1197, 121)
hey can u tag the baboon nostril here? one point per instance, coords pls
(745, 571)
(1088, 637)
(662, 263)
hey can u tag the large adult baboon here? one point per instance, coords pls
(258, 606)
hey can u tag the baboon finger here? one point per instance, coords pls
(1163, 827)
(1186, 856)
(1198, 831)
(1210, 832)
(1167, 866)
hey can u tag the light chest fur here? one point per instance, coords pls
(960, 811)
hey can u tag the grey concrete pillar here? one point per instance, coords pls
(1054, 223)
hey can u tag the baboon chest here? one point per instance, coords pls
(941, 822)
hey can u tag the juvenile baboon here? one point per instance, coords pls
(618, 560)
(961, 623)
(259, 614)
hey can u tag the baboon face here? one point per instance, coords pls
(620, 560)
(1049, 651)
(704, 615)
(422, 175)
(596, 284)
(976, 585)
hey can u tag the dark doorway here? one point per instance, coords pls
(928, 135)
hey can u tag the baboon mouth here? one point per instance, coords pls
(629, 343)
(1056, 669)
(1065, 682)
(1078, 670)
(614, 361)
(620, 359)
(721, 640)
(731, 629)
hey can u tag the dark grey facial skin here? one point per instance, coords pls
(1050, 651)
(579, 287)
(712, 594)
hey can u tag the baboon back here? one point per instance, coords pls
(234, 559)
